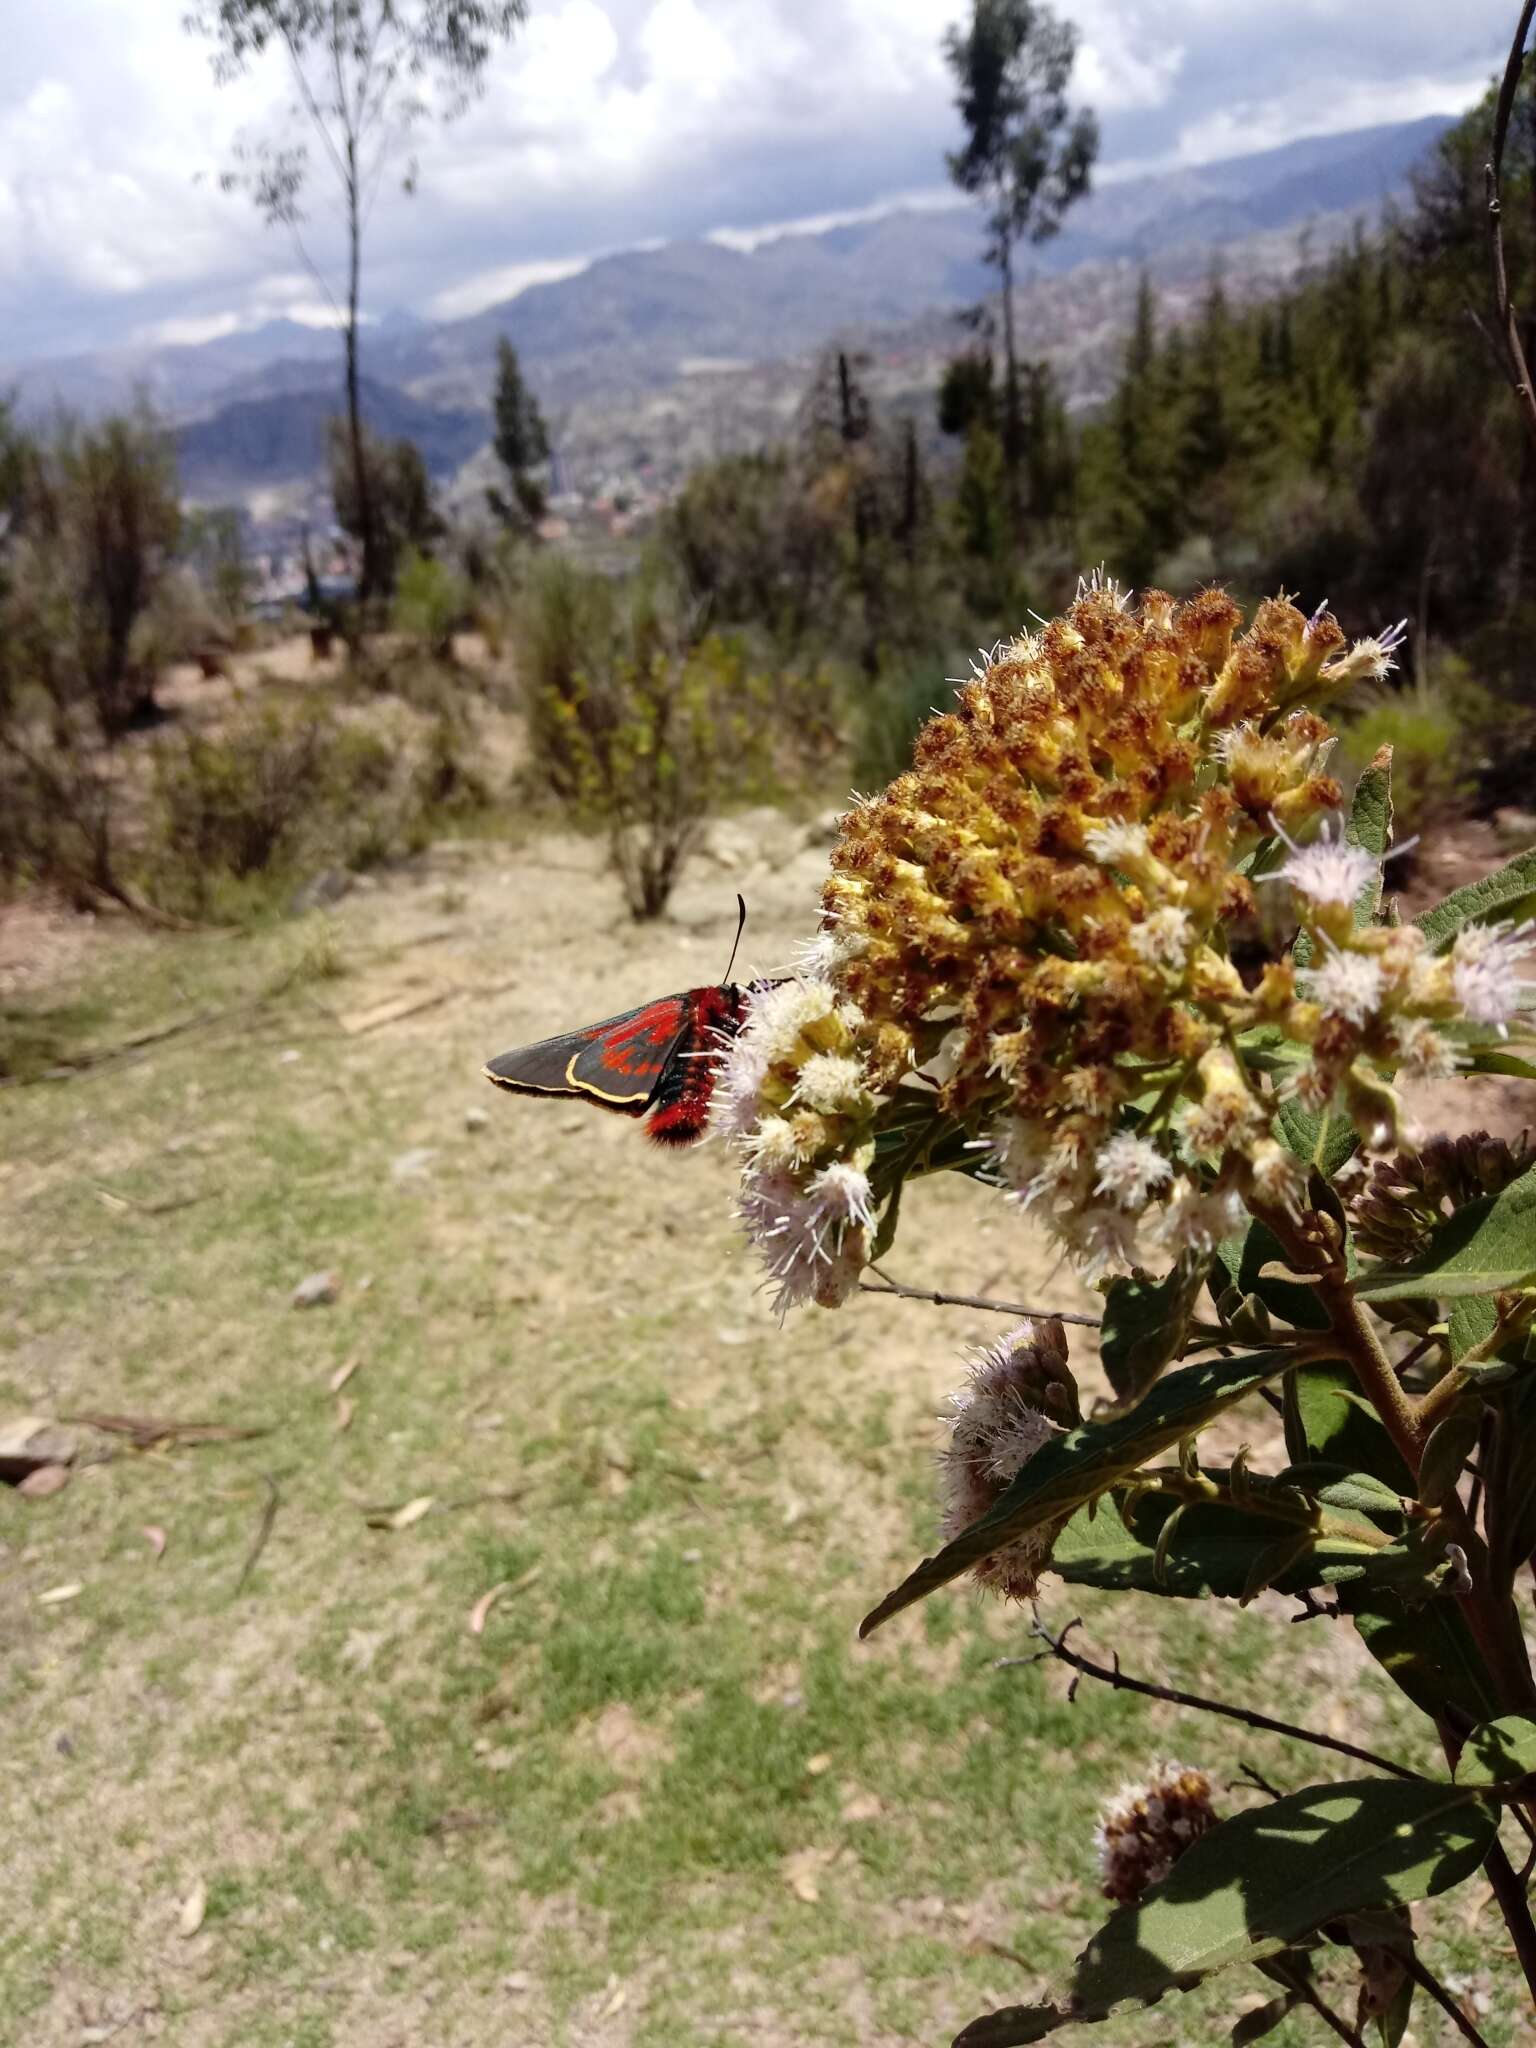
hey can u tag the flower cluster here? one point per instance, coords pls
(1032, 930)
(1396, 1207)
(1145, 1829)
(1019, 1395)
(793, 1095)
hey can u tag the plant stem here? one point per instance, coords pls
(1001, 1308)
(1428, 1982)
(1515, 1907)
(1298, 1983)
(1056, 1646)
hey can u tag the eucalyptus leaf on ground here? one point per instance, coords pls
(1086, 1462)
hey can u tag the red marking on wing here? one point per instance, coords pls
(624, 1059)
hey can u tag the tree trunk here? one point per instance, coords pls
(368, 578)
(1011, 435)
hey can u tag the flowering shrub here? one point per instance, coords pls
(1112, 948)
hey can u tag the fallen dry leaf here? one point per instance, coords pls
(346, 1408)
(861, 1806)
(615, 2004)
(155, 1537)
(44, 1480)
(482, 1607)
(801, 1871)
(817, 1764)
(193, 1907)
(57, 1595)
(402, 1518)
(343, 1373)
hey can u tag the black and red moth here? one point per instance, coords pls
(656, 1061)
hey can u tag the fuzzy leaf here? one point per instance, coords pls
(1213, 1552)
(1328, 1420)
(1509, 893)
(1428, 1652)
(1245, 1258)
(1488, 1245)
(1259, 1883)
(1263, 1879)
(1499, 1752)
(1145, 1324)
(1075, 1468)
(1370, 826)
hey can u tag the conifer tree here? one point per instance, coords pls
(520, 440)
(1026, 154)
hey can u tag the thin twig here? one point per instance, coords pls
(1000, 1308)
(1517, 369)
(1250, 1718)
(1301, 1986)
(1427, 1981)
(269, 1510)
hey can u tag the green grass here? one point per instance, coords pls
(614, 1791)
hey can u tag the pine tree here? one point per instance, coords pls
(520, 440)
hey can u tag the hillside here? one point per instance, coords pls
(664, 355)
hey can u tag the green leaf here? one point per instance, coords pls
(1369, 825)
(1074, 1468)
(1213, 1551)
(1489, 1244)
(1509, 893)
(1263, 1879)
(1328, 1420)
(1486, 1059)
(1246, 1257)
(1303, 1134)
(1428, 1651)
(1145, 1324)
(1500, 1752)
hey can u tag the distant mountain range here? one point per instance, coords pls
(613, 340)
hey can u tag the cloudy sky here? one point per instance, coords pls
(608, 123)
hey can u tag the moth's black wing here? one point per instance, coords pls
(618, 1063)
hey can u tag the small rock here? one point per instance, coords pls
(28, 1442)
(1516, 826)
(823, 829)
(329, 886)
(693, 1557)
(44, 1480)
(289, 1057)
(517, 1980)
(476, 1119)
(413, 1165)
(317, 1290)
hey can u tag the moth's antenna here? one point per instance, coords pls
(741, 925)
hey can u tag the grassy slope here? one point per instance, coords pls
(665, 1797)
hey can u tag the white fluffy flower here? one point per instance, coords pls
(741, 1068)
(779, 1016)
(1164, 938)
(1129, 1169)
(1115, 843)
(1368, 660)
(1422, 1053)
(1098, 1239)
(1278, 1178)
(1193, 1221)
(1346, 984)
(822, 956)
(1329, 870)
(811, 1239)
(1485, 963)
(832, 1083)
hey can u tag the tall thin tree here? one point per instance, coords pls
(359, 69)
(1027, 154)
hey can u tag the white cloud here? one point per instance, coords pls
(609, 122)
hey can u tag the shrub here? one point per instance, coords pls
(1434, 752)
(276, 790)
(432, 603)
(643, 733)
(94, 522)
